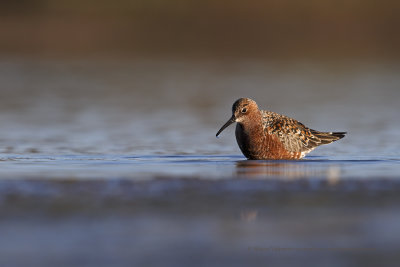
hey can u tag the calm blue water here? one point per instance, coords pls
(141, 119)
(116, 163)
(207, 167)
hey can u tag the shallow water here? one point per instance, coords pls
(140, 118)
(112, 161)
(207, 167)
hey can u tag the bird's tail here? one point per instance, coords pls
(328, 137)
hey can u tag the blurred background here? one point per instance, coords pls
(344, 30)
(116, 74)
(109, 110)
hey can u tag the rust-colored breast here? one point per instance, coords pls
(255, 143)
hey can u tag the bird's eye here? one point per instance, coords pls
(244, 110)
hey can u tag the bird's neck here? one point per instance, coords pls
(253, 124)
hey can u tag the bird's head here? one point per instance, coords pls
(242, 110)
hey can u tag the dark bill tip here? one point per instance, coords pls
(229, 122)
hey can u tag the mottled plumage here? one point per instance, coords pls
(267, 135)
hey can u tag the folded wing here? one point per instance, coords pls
(294, 135)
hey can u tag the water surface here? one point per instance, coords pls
(114, 161)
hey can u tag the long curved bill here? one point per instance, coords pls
(229, 122)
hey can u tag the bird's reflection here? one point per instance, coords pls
(290, 170)
(248, 215)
